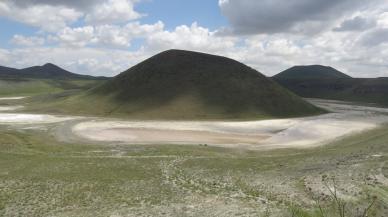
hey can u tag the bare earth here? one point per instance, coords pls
(12, 98)
(10, 108)
(346, 119)
(14, 118)
(154, 136)
(281, 133)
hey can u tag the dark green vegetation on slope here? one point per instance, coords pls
(325, 86)
(179, 84)
(311, 72)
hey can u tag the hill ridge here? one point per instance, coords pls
(179, 84)
(337, 87)
(45, 71)
(311, 72)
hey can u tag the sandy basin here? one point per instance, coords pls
(285, 133)
(12, 98)
(8, 118)
(297, 132)
(10, 108)
(155, 136)
(14, 118)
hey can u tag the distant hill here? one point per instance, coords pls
(178, 84)
(47, 71)
(44, 79)
(311, 72)
(337, 86)
(6, 71)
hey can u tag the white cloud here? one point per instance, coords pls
(192, 37)
(4, 56)
(279, 16)
(21, 40)
(77, 37)
(49, 18)
(77, 4)
(382, 20)
(55, 15)
(4, 8)
(95, 61)
(75, 54)
(113, 36)
(375, 37)
(142, 30)
(121, 36)
(269, 54)
(357, 23)
(277, 35)
(112, 11)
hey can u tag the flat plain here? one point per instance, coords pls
(48, 171)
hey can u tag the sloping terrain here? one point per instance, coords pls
(44, 79)
(47, 71)
(311, 72)
(44, 172)
(31, 87)
(367, 90)
(179, 84)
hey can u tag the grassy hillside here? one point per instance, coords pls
(31, 87)
(367, 90)
(47, 71)
(188, 85)
(37, 80)
(311, 72)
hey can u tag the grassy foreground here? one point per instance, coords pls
(40, 176)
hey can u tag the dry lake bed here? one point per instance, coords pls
(52, 165)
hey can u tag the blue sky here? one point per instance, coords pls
(10, 28)
(105, 37)
(172, 12)
(179, 12)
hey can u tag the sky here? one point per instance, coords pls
(106, 37)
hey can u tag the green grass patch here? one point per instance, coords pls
(40, 176)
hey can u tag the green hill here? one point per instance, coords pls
(338, 86)
(47, 71)
(31, 87)
(311, 72)
(44, 79)
(178, 84)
